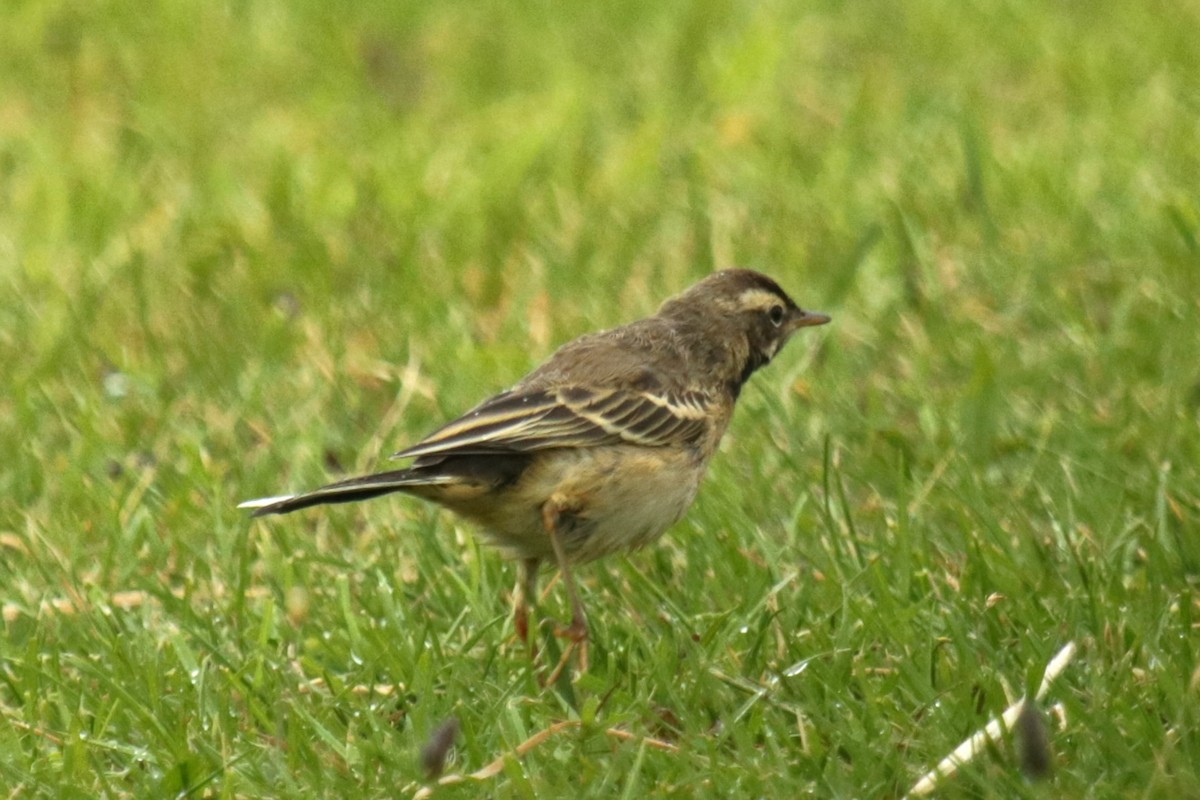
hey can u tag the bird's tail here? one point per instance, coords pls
(363, 488)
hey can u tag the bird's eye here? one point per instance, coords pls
(776, 315)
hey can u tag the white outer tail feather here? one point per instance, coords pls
(263, 502)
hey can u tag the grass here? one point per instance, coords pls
(246, 248)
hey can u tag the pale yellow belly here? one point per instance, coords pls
(617, 498)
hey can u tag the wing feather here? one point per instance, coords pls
(569, 416)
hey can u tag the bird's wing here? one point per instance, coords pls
(523, 421)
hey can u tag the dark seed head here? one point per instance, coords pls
(435, 751)
(1033, 742)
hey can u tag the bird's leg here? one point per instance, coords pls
(551, 513)
(526, 592)
(577, 631)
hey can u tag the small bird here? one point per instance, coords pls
(602, 447)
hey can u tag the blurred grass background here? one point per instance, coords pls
(248, 247)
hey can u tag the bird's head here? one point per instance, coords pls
(744, 316)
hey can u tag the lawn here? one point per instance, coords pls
(252, 247)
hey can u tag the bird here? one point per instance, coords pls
(603, 447)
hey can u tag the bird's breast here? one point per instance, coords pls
(613, 499)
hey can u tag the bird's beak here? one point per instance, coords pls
(806, 319)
